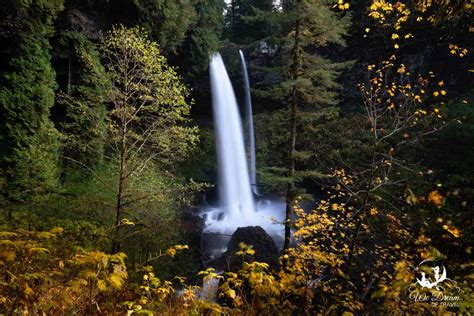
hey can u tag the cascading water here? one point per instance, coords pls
(249, 119)
(236, 207)
(234, 183)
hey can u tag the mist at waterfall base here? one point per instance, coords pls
(237, 205)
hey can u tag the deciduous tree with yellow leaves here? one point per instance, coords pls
(148, 125)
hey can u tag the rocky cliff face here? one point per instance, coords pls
(90, 24)
(94, 17)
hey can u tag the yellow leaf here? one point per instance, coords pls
(8, 255)
(231, 293)
(171, 252)
(38, 250)
(101, 285)
(435, 198)
(86, 274)
(56, 230)
(27, 290)
(374, 211)
(45, 235)
(116, 280)
(411, 198)
(7, 234)
(453, 230)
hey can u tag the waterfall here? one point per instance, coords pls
(236, 207)
(235, 193)
(250, 132)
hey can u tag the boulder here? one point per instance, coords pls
(263, 244)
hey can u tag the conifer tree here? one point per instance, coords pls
(301, 29)
(187, 31)
(29, 141)
(85, 126)
(203, 37)
(239, 28)
(167, 21)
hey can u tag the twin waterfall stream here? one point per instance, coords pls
(238, 204)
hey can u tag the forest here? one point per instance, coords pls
(236, 157)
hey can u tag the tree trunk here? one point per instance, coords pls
(69, 74)
(365, 201)
(291, 160)
(120, 195)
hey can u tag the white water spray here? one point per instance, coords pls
(250, 131)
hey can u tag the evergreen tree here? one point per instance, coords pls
(238, 28)
(167, 21)
(187, 31)
(302, 30)
(29, 142)
(203, 37)
(85, 126)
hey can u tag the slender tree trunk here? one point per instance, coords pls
(232, 7)
(291, 159)
(120, 191)
(69, 74)
(365, 203)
